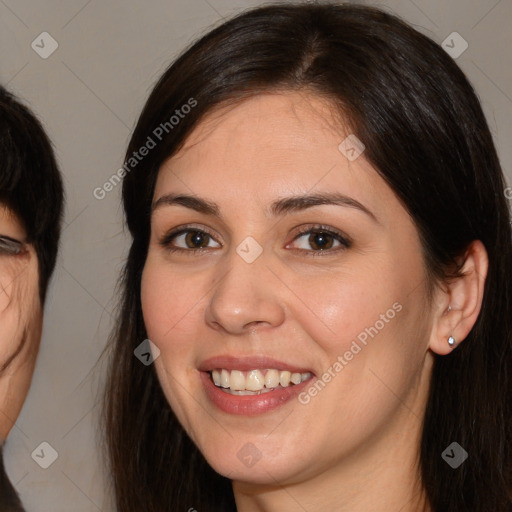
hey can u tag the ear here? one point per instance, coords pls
(458, 303)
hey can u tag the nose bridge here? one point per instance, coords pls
(245, 294)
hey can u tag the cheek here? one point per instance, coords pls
(6, 287)
(367, 327)
(173, 315)
(377, 348)
(157, 300)
(20, 309)
(336, 307)
(170, 303)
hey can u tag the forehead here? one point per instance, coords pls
(283, 136)
(10, 223)
(268, 146)
(280, 120)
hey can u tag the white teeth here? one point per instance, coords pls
(284, 379)
(256, 381)
(237, 380)
(295, 378)
(224, 379)
(271, 379)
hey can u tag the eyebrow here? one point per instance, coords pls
(282, 206)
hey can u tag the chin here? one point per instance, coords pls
(262, 473)
(255, 462)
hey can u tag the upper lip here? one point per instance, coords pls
(247, 363)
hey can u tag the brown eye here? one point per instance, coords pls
(195, 239)
(187, 240)
(321, 240)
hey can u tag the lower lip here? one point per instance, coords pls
(249, 405)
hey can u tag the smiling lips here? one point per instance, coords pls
(251, 385)
(256, 381)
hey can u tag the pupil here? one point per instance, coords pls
(320, 240)
(196, 238)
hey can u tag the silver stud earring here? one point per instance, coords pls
(451, 341)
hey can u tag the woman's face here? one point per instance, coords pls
(332, 296)
(20, 321)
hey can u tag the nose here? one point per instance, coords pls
(245, 297)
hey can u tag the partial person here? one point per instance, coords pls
(31, 204)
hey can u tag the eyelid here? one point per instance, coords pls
(322, 228)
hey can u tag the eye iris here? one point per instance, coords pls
(196, 239)
(320, 240)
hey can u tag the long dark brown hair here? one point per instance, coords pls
(426, 134)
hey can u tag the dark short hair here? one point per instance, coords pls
(30, 182)
(426, 135)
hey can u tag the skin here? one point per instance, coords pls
(354, 446)
(20, 317)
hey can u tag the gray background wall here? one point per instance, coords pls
(88, 94)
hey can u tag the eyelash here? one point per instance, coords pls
(344, 241)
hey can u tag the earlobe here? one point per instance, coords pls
(460, 301)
